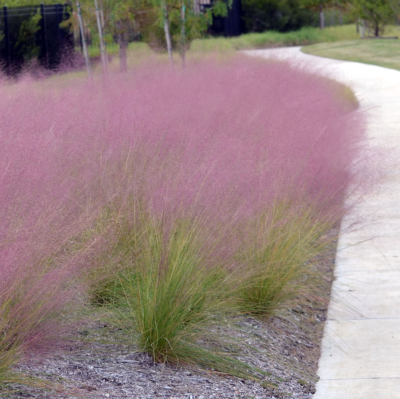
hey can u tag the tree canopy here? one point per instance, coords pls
(376, 13)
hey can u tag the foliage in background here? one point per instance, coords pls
(276, 15)
(222, 47)
(127, 21)
(156, 22)
(301, 37)
(321, 6)
(26, 45)
(16, 3)
(377, 13)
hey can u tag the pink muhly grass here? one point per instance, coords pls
(222, 143)
(40, 213)
(247, 131)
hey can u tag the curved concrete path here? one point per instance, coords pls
(361, 346)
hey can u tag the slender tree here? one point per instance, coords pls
(186, 22)
(183, 34)
(167, 31)
(84, 46)
(101, 37)
(110, 20)
(320, 6)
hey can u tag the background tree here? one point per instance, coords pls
(17, 3)
(182, 31)
(187, 23)
(376, 13)
(320, 6)
(26, 46)
(115, 16)
(119, 18)
(279, 15)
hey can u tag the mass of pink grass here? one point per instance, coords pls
(218, 139)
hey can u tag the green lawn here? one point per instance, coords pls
(382, 52)
(270, 39)
(224, 46)
(340, 42)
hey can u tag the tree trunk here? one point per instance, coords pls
(183, 35)
(123, 45)
(167, 34)
(102, 47)
(362, 29)
(84, 46)
(196, 7)
(321, 16)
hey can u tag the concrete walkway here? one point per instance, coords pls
(361, 345)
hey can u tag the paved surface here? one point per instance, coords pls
(361, 345)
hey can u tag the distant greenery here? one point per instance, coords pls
(16, 3)
(220, 45)
(377, 14)
(301, 37)
(226, 46)
(340, 42)
(278, 15)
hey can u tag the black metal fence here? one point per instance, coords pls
(232, 24)
(33, 32)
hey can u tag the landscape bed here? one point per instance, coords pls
(173, 218)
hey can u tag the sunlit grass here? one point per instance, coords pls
(381, 52)
(226, 47)
(268, 39)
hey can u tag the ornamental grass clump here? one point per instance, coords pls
(172, 291)
(276, 255)
(168, 288)
(175, 198)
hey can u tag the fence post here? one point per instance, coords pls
(7, 39)
(42, 13)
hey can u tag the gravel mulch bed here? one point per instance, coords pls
(94, 363)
